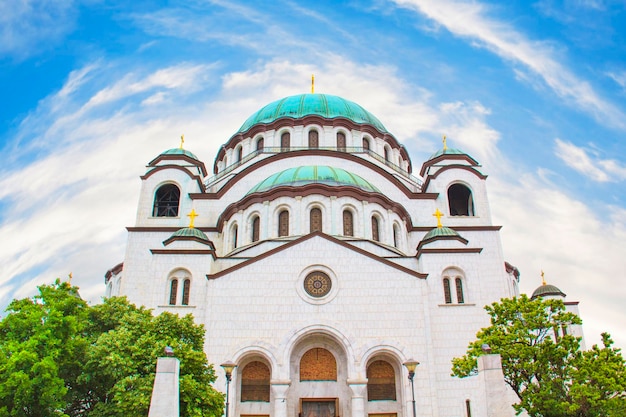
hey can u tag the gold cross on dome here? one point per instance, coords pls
(69, 278)
(543, 278)
(445, 143)
(312, 83)
(438, 215)
(182, 140)
(192, 216)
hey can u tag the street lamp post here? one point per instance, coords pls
(411, 364)
(228, 370)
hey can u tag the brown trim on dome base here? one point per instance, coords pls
(449, 167)
(311, 189)
(177, 167)
(443, 251)
(178, 157)
(445, 156)
(183, 252)
(189, 239)
(315, 152)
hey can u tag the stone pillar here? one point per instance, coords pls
(358, 387)
(279, 393)
(497, 396)
(164, 401)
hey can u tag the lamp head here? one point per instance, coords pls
(411, 364)
(228, 369)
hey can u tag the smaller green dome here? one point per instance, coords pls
(179, 151)
(447, 151)
(547, 290)
(295, 177)
(442, 231)
(190, 232)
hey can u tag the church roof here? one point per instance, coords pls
(301, 105)
(547, 290)
(313, 174)
(179, 151)
(190, 232)
(441, 232)
(447, 151)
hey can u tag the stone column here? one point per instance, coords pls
(358, 388)
(164, 401)
(279, 393)
(497, 397)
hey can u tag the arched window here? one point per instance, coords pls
(386, 154)
(348, 228)
(314, 139)
(381, 381)
(283, 223)
(239, 154)
(186, 290)
(375, 229)
(460, 200)
(173, 291)
(260, 144)
(285, 141)
(396, 236)
(256, 228)
(166, 200)
(318, 364)
(456, 295)
(446, 291)
(315, 220)
(233, 237)
(366, 144)
(459, 290)
(341, 141)
(255, 382)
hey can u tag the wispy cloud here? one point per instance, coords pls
(27, 27)
(471, 20)
(619, 78)
(589, 163)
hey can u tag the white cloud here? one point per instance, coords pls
(588, 163)
(580, 250)
(619, 78)
(470, 20)
(29, 26)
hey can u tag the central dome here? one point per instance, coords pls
(294, 177)
(323, 105)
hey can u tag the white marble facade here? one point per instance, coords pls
(381, 298)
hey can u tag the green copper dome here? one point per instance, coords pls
(547, 290)
(447, 151)
(314, 174)
(179, 151)
(188, 232)
(324, 105)
(440, 232)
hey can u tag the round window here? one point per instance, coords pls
(317, 284)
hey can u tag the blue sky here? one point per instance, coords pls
(536, 91)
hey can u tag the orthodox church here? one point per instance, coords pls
(321, 264)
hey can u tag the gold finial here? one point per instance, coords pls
(438, 215)
(543, 278)
(182, 140)
(192, 216)
(312, 83)
(445, 143)
(69, 276)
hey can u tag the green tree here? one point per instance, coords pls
(60, 357)
(543, 364)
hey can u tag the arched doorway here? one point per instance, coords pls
(319, 375)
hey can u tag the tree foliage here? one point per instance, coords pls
(543, 363)
(61, 357)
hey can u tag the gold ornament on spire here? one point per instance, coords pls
(543, 278)
(312, 83)
(192, 216)
(438, 215)
(182, 140)
(69, 276)
(445, 143)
